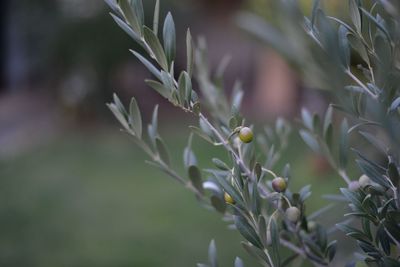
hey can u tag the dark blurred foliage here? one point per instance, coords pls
(73, 52)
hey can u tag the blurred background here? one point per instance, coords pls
(74, 191)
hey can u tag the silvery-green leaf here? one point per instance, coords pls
(220, 164)
(136, 117)
(237, 96)
(137, 5)
(169, 37)
(395, 104)
(185, 88)
(156, 17)
(201, 134)
(262, 230)
(376, 22)
(358, 47)
(343, 145)
(219, 73)
(355, 15)
(247, 231)
(159, 88)
(307, 119)
(153, 127)
(156, 48)
(239, 262)
(331, 250)
(316, 122)
(188, 86)
(189, 53)
(275, 242)
(114, 6)
(377, 143)
(258, 170)
(131, 13)
(119, 104)
(162, 151)
(212, 254)
(314, 12)
(154, 118)
(120, 117)
(189, 157)
(310, 140)
(328, 119)
(195, 178)
(168, 81)
(218, 203)
(344, 47)
(256, 253)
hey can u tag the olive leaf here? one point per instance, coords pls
(155, 47)
(169, 36)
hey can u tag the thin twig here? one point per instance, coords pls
(366, 89)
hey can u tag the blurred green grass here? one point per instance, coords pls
(88, 199)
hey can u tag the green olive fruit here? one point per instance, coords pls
(293, 214)
(246, 135)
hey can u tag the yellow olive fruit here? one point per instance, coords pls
(279, 184)
(228, 198)
(293, 214)
(246, 135)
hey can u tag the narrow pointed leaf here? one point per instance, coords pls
(247, 231)
(212, 254)
(155, 46)
(189, 53)
(131, 15)
(355, 14)
(343, 145)
(159, 88)
(169, 37)
(239, 262)
(195, 178)
(136, 117)
(156, 18)
(162, 151)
